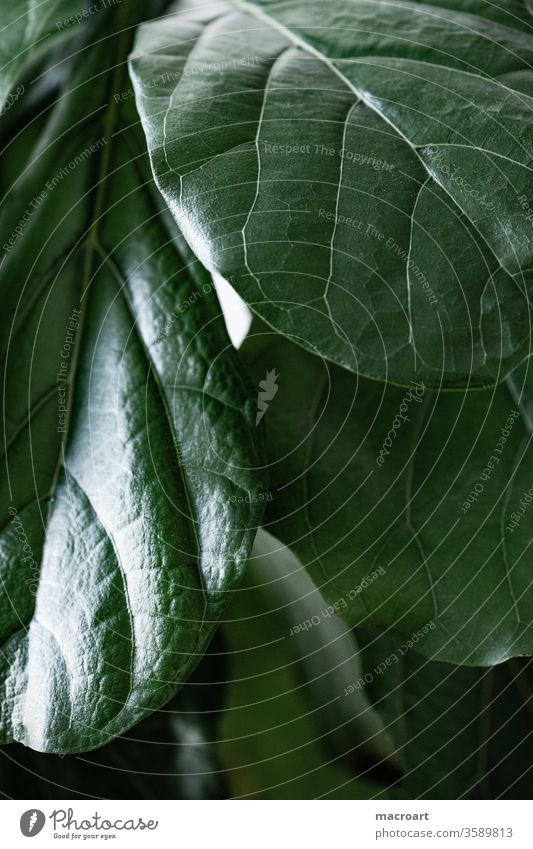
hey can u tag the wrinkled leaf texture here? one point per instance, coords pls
(122, 534)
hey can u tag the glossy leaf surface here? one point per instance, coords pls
(360, 171)
(129, 433)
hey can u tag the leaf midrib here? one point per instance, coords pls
(91, 240)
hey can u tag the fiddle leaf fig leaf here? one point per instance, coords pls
(130, 444)
(408, 507)
(366, 189)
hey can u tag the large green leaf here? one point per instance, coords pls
(409, 508)
(360, 171)
(129, 439)
(461, 733)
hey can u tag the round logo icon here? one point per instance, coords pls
(32, 822)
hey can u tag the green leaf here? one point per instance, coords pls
(461, 733)
(409, 508)
(285, 733)
(365, 190)
(169, 755)
(130, 449)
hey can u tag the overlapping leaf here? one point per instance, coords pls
(360, 171)
(411, 509)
